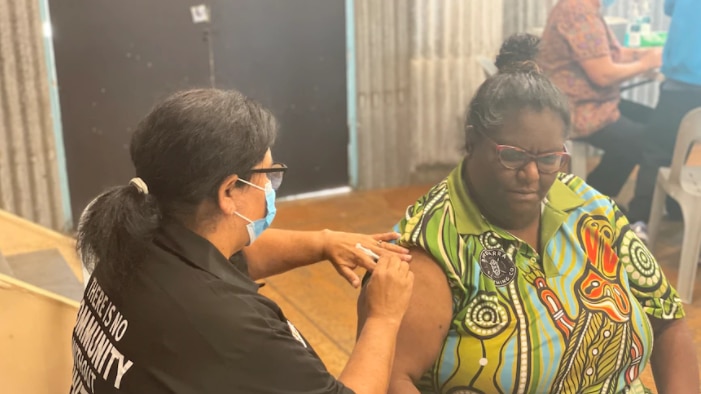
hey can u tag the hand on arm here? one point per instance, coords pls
(424, 326)
(386, 298)
(674, 362)
(277, 251)
(341, 250)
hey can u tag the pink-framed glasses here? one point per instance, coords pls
(515, 158)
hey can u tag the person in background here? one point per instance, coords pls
(528, 280)
(583, 58)
(679, 94)
(172, 306)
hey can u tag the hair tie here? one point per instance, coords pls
(139, 184)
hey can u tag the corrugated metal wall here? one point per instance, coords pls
(446, 39)
(523, 15)
(416, 71)
(383, 92)
(29, 180)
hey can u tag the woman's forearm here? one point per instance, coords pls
(619, 73)
(674, 363)
(629, 55)
(370, 365)
(277, 251)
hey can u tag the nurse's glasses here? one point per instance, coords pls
(274, 173)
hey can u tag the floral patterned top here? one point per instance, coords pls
(574, 319)
(576, 32)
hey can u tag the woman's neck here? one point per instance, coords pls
(210, 225)
(528, 232)
(529, 235)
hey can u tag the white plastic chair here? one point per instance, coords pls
(683, 184)
(578, 157)
(536, 31)
(579, 152)
(490, 69)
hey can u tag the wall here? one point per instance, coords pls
(416, 71)
(30, 184)
(382, 32)
(446, 40)
(288, 55)
(523, 15)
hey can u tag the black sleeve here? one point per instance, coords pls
(257, 352)
(239, 261)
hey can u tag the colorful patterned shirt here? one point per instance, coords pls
(575, 32)
(570, 320)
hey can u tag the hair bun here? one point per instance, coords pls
(525, 67)
(518, 54)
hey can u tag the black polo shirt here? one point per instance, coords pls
(189, 321)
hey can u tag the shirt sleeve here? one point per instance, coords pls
(586, 34)
(648, 283)
(428, 225)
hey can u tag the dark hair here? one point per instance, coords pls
(517, 49)
(183, 150)
(518, 85)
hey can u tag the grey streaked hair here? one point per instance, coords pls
(518, 85)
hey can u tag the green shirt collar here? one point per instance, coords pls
(469, 221)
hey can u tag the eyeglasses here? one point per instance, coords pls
(515, 158)
(274, 173)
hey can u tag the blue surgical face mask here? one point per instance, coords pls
(256, 228)
(607, 3)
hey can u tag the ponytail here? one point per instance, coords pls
(116, 229)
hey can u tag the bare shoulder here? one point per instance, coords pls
(426, 322)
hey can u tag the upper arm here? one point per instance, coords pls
(661, 325)
(587, 37)
(425, 323)
(646, 280)
(586, 34)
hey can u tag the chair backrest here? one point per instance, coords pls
(490, 69)
(536, 31)
(689, 133)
